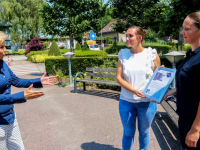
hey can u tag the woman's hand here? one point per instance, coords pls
(48, 80)
(192, 137)
(139, 94)
(154, 101)
(28, 94)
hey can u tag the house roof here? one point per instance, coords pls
(108, 27)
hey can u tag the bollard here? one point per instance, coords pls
(11, 59)
(8, 61)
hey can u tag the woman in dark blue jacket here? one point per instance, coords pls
(188, 85)
(10, 136)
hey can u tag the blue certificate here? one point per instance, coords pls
(159, 83)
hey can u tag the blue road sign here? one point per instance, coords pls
(92, 36)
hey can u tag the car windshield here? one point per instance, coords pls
(8, 43)
(93, 46)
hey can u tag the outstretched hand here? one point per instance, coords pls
(28, 94)
(48, 80)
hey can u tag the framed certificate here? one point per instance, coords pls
(159, 83)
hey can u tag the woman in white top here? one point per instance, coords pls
(135, 68)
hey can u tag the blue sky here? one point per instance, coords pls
(105, 1)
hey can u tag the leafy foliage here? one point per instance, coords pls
(54, 50)
(85, 47)
(35, 45)
(151, 35)
(46, 44)
(175, 15)
(78, 46)
(78, 64)
(72, 17)
(161, 48)
(24, 17)
(131, 12)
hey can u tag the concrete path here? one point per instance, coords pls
(64, 120)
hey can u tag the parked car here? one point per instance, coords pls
(8, 45)
(94, 47)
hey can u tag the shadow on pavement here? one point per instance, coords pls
(101, 93)
(166, 132)
(97, 146)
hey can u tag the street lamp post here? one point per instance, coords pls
(101, 32)
(69, 56)
(174, 57)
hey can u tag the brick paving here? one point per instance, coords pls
(63, 120)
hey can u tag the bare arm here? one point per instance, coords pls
(193, 135)
(124, 83)
(156, 62)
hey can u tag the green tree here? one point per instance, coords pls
(107, 18)
(85, 47)
(24, 17)
(78, 46)
(131, 12)
(175, 15)
(72, 17)
(54, 49)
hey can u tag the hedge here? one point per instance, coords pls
(161, 48)
(79, 64)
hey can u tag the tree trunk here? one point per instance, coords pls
(181, 39)
(71, 43)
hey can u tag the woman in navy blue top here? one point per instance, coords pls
(10, 136)
(188, 85)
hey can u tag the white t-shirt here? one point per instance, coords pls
(137, 71)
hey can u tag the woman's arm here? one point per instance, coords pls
(193, 135)
(156, 62)
(124, 83)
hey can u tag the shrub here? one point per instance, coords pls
(91, 54)
(29, 55)
(46, 44)
(109, 40)
(161, 48)
(21, 52)
(78, 64)
(35, 45)
(151, 35)
(62, 51)
(54, 50)
(116, 47)
(186, 47)
(78, 46)
(85, 47)
(40, 56)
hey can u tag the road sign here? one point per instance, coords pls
(92, 36)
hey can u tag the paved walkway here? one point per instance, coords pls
(64, 120)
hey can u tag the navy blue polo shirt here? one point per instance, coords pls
(188, 85)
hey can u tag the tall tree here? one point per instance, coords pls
(133, 12)
(72, 17)
(24, 17)
(178, 10)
